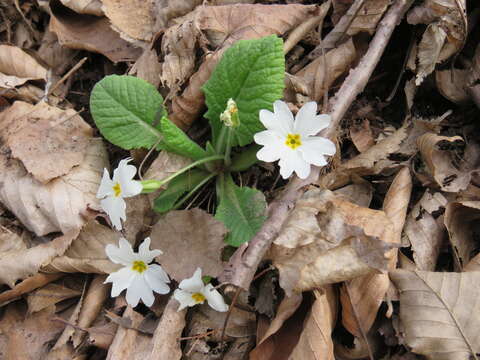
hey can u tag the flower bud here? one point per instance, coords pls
(230, 116)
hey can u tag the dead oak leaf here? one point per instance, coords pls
(47, 140)
(189, 239)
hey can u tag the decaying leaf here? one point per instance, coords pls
(17, 67)
(347, 242)
(424, 232)
(92, 7)
(316, 342)
(362, 136)
(57, 139)
(189, 239)
(58, 205)
(77, 31)
(57, 57)
(147, 67)
(429, 50)
(168, 10)
(49, 295)
(436, 312)
(368, 17)
(452, 84)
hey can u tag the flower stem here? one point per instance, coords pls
(228, 148)
(219, 147)
(152, 185)
(193, 191)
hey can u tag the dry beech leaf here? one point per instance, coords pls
(462, 222)
(17, 67)
(223, 25)
(316, 341)
(91, 7)
(362, 136)
(169, 329)
(338, 61)
(87, 254)
(57, 139)
(81, 32)
(441, 155)
(27, 337)
(133, 19)
(348, 242)
(452, 84)
(424, 232)
(49, 295)
(58, 205)
(368, 17)
(20, 264)
(189, 239)
(147, 67)
(436, 311)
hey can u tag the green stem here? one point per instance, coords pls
(228, 149)
(160, 183)
(221, 141)
(191, 192)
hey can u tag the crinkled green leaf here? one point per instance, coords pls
(126, 111)
(176, 141)
(251, 72)
(241, 209)
(176, 188)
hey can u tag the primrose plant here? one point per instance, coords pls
(244, 88)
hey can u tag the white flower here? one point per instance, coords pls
(137, 276)
(115, 190)
(192, 291)
(293, 141)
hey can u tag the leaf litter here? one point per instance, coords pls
(387, 237)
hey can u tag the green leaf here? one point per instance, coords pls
(125, 110)
(251, 72)
(245, 159)
(176, 141)
(241, 209)
(176, 188)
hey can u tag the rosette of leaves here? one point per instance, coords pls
(129, 113)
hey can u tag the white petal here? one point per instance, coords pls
(284, 117)
(115, 208)
(274, 123)
(320, 145)
(193, 284)
(288, 162)
(121, 255)
(120, 280)
(269, 153)
(268, 138)
(214, 298)
(124, 174)
(184, 298)
(307, 122)
(131, 188)
(144, 252)
(139, 289)
(106, 185)
(155, 277)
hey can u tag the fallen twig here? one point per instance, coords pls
(243, 264)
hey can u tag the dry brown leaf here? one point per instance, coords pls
(362, 136)
(82, 32)
(91, 7)
(316, 342)
(348, 242)
(102, 336)
(58, 205)
(424, 232)
(57, 139)
(359, 193)
(441, 155)
(461, 220)
(168, 10)
(133, 19)
(49, 295)
(17, 67)
(319, 77)
(452, 84)
(429, 50)
(58, 57)
(368, 17)
(189, 239)
(473, 264)
(27, 337)
(20, 264)
(147, 67)
(436, 312)
(169, 329)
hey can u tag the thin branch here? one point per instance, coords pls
(243, 264)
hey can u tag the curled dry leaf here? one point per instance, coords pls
(436, 313)
(424, 232)
(452, 84)
(316, 341)
(348, 242)
(17, 67)
(147, 67)
(319, 76)
(461, 220)
(49, 295)
(429, 50)
(189, 239)
(58, 205)
(81, 32)
(91, 7)
(362, 136)
(57, 139)
(57, 57)
(133, 19)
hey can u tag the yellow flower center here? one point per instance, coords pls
(198, 297)
(117, 189)
(293, 141)
(139, 266)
